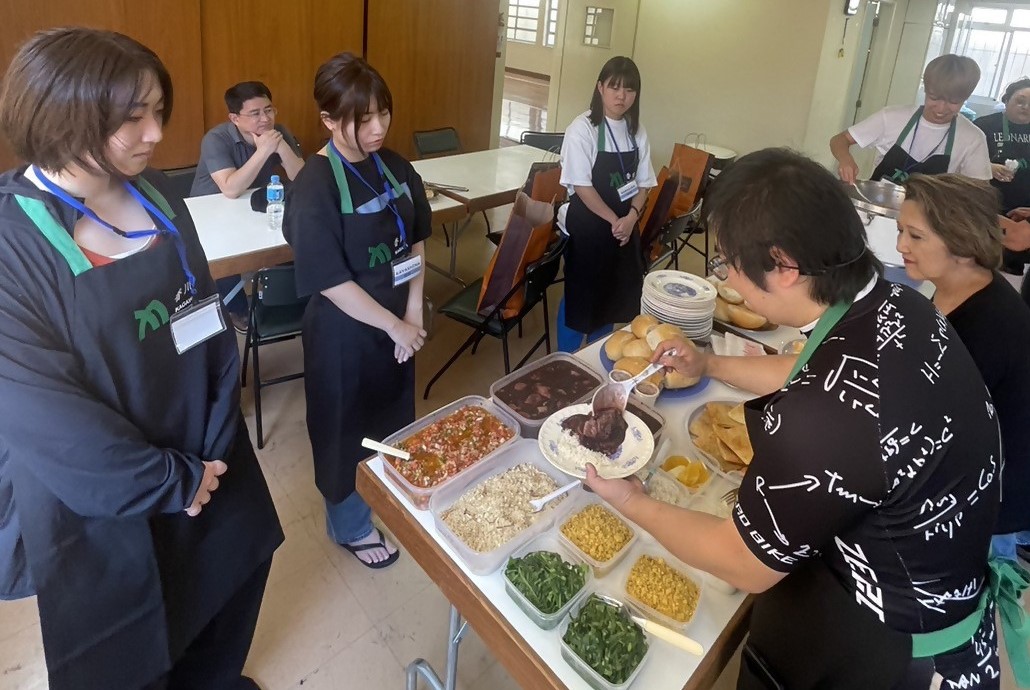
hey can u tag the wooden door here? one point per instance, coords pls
(171, 28)
(438, 59)
(280, 44)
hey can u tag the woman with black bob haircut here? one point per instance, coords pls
(131, 501)
(606, 166)
(872, 491)
(357, 220)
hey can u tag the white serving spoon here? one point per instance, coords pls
(383, 448)
(615, 395)
(539, 503)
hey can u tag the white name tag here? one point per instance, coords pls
(628, 190)
(406, 268)
(194, 325)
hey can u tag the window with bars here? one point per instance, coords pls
(996, 36)
(533, 21)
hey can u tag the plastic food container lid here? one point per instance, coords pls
(529, 426)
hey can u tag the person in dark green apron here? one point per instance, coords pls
(129, 487)
(606, 166)
(930, 139)
(357, 217)
(864, 519)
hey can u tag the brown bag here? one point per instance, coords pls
(693, 166)
(529, 231)
(544, 182)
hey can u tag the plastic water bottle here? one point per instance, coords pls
(276, 197)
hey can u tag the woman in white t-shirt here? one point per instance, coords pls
(606, 166)
(929, 139)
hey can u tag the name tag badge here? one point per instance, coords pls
(200, 322)
(628, 190)
(405, 268)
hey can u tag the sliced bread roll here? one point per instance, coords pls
(635, 365)
(730, 295)
(637, 348)
(616, 342)
(662, 333)
(745, 318)
(642, 324)
(722, 310)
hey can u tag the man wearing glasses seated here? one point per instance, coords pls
(241, 154)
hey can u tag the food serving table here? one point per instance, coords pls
(236, 239)
(531, 655)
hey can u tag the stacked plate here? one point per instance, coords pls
(682, 299)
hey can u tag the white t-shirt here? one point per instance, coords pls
(579, 151)
(969, 155)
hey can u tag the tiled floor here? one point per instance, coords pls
(523, 106)
(328, 623)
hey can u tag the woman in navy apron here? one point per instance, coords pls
(357, 217)
(864, 518)
(129, 488)
(606, 165)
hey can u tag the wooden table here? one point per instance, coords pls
(237, 240)
(529, 654)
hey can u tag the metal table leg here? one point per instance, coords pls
(450, 273)
(421, 667)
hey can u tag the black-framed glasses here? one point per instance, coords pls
(268, 112)
(719, 266)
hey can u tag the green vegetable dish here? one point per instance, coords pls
(609, 642)
(547, 581)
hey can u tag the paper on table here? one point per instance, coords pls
(733, 345)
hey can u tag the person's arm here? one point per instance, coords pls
(234, 181)
(840, 147)
(759, 375)
(592, 200)
(698, 539)
(352, 300)
(413, 312)
(622, 228)
(290, 154)
(1015, 234)
(977, 161)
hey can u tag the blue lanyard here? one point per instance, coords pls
(169, 227)
(391, 194)
(617, 151)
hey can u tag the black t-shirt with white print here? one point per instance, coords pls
(1015, 147)
(881, 458)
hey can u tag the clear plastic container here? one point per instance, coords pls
(546, 542)
(531, 427)
(523, 451)
(697, 577)
(637, 406)
(664, 487)
(592, 677)
(600, 568)
(695, 491)
(420, 496)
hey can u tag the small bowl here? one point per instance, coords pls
(646, 391)
(618, 376)
(793, 347)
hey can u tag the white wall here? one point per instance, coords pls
(741, 72)
(528, 57)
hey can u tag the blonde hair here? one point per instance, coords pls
(952, 77)
(963, 212)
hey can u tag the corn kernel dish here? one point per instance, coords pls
(658, 585)
(597, 532)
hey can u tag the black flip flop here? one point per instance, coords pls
(381, 544)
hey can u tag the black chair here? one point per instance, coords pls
(548, 141)
(692, 228)
(462, 308)
(276, 314)
(182, 180)
(668, 243)
(433, 143)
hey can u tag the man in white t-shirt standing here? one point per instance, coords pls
(929, 139)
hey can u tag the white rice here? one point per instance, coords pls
(573, 457)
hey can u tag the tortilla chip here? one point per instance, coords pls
(737, 413)
(736, 439)
(708, 443)
(700, 425)
(719, 413)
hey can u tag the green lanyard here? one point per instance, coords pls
(830, 318)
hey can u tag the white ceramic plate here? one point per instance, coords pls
(555, 444)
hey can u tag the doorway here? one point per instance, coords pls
(531, 34)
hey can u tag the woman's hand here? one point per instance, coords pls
(1015, 231)
(617, 492)
(408, 339)
(1001, 172)
(1021, 213)
(622, 229)
(688, 360)
(208, 484)
(848, 169)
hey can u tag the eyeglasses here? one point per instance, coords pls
(719, 266)
(268, 112)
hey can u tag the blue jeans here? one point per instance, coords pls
(570, 340)
(1004, 545)
(349, 520)
(238, 304)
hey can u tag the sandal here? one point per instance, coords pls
(381, 544)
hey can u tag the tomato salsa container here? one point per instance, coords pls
(420, 496)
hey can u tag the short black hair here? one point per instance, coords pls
(345, 85)
(1011, 89)
(68, 90)
(238, 94)
(779, 198)
(619, 71)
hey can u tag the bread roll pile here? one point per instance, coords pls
(731, 308)
(632, 350)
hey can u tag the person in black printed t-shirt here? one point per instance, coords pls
(865, 517)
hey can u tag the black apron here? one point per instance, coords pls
(352, 382)
(897, 164)
(154, 584)
(603, 281)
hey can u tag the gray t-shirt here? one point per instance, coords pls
(224, 147)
